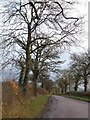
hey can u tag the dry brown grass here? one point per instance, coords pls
(13, 100)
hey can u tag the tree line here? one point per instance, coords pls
(77, 74)
(33, 35)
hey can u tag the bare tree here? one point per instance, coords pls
(76, 75)
(81, 65)
(22, 20)
(43, 59)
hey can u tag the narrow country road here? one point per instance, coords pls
(61, 107)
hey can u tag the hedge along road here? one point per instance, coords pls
(62, 107)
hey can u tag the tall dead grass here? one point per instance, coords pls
(13, 100)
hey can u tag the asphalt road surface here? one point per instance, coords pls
(61, 107)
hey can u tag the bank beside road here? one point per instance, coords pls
(83, 96)
(86, 99)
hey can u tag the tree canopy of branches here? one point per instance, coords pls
(31, 26)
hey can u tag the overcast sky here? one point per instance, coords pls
(82, 9)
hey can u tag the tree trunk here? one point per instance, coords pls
(85, 88)
(35, 78)
(21, 77)
(27, 71)
(28, 59)
(65, 88)
(35, 75)
(85, 83)
(76, 82)
(61, 90)
(75, 88)
(35, 87)
(42, 85)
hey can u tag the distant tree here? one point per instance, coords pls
(48, 85)
(76, 75)
(65, 81)
(81, 64)
(42, 63)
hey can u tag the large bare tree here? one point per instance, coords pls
(49, 19)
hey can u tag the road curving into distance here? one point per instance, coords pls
(62, 107)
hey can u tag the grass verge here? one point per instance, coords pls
(29, 109)
(37, 105)
(87, 99)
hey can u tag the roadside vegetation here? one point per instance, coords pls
(83, 96)
(87, 99)
(37, 105)
(31, 108)
(17, 105)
